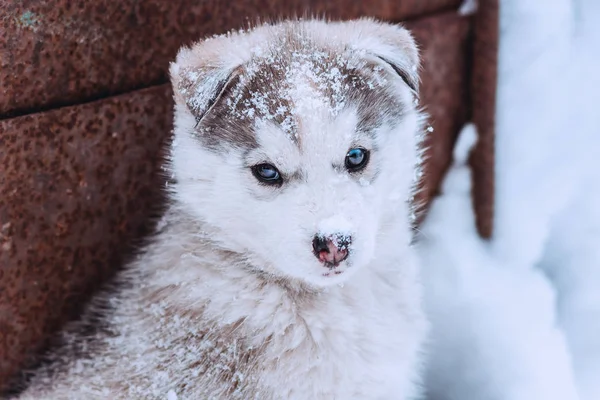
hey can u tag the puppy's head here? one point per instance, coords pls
(297, 143)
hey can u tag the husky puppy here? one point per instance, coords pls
(283, 268)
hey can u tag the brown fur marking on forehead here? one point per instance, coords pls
(291, 78)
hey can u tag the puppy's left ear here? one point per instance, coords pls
(199, 75)
(391, 44)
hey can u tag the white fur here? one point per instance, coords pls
(232, 271)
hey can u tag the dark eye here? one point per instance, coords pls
(267, 173)
(357, 159)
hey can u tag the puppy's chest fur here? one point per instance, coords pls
(237, 336)
(333, 345)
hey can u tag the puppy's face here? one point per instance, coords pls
(296, 145)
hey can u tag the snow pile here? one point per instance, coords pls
(493, 325)
(572, 256)
(519, 317)
(572, 262)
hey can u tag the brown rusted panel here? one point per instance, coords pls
(483, 86)
(383, 9)
(77, 184)
(61, 53)
(444, 42)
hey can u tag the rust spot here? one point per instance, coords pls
(57, 216)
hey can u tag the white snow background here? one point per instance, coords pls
(518, 317)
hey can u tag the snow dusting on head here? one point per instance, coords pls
(282, 84)
(283, 74)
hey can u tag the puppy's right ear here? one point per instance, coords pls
(390, 44)
(199, 80)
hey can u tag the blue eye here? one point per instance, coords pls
(357, 159)
(267, 173)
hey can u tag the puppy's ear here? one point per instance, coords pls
(390, 44)
(200, 78)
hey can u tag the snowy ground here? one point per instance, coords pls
(519, 317)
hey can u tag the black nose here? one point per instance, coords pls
(320, 244)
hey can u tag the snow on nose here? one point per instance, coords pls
(331, 250)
